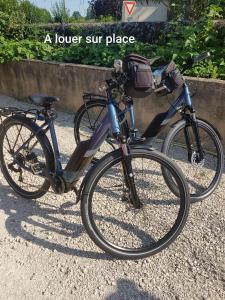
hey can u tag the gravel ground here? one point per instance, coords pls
(46, 254)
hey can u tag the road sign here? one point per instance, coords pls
(130, 5)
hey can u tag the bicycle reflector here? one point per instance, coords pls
(118, 65)
(102, 87)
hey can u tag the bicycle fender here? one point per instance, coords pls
(176, 123)
(87, 97)
(143, 146)
(39, 131)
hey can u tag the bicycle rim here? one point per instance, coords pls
(89, 120)
(117, 227)
(202, 175)
(17, 165)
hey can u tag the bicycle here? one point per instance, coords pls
(192, 142)
(123, 196)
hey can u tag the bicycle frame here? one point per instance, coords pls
(63, 181)
(75, 166)
(109, 123)
(183, 103)
(88, 97)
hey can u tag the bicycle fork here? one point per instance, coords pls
(129, 175)
(193, 122)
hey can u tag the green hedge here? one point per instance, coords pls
(180, 42)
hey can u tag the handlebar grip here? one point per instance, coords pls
(201, 56)
(191, 61)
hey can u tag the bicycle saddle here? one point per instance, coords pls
(43, 100)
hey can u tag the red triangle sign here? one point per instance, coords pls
(130, 5)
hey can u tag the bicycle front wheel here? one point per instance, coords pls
(203, 175)
(111, 220)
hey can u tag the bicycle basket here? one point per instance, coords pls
(171, 80)
(140, 82)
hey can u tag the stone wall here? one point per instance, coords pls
(69, 82)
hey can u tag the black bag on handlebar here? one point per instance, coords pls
(171, 80)
(140, 82)
(173, 77)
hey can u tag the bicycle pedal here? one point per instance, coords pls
(11, 167)
(37, 168)
(125, 198)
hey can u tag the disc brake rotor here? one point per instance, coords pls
(195, 160)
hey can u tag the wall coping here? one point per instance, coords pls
(62, 64)
(209, 80)
(86, 24)
(91, 67)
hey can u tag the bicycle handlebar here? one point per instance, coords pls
(200, 57)
(191, 61)
(121, 78)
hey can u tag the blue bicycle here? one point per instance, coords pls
(192, 142)
(127, 208)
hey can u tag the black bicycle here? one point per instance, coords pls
(192, 142)
(127, 208)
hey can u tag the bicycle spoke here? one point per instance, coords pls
(24, 157)
(99, 116)
(110, 216)
(199, 173)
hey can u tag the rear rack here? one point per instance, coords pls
(12, 111)
(7, 111)
(92, 97)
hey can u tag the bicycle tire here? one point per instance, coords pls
(79, 118)
(47, 154)
(170, 139)
(88, 214)
(80, 114)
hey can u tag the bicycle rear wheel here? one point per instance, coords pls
(111, 220)
(88, 118)
(22, 163)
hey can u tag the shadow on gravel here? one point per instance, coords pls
(126, 289)
(21, 211)
(47, 218)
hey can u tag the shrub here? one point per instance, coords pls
(60, 13)
(34, 14)
(15, 50)
(12, 25)
(179, 42)
(106, 8)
